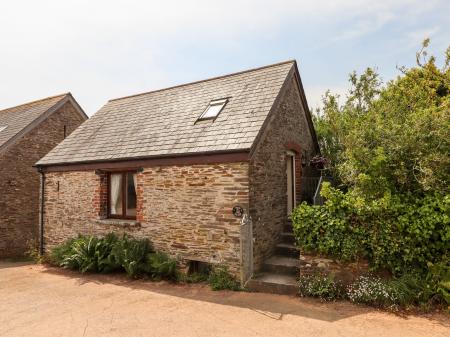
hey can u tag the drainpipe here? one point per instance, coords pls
(41, 213)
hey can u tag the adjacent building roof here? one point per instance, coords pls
(17, 121)
(165, 122)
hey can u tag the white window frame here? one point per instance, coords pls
(216, 102)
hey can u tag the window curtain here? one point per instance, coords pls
(115, 191)
(135, 181)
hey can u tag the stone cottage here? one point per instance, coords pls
(184, 166)
(27, 133)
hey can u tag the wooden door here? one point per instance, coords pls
(290, 175)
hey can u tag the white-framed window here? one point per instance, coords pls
(2, 127)
(213, 109)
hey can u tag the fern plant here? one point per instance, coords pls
(161, 266)
(105, 261)
(83, 256)
(110, 253)
(131, 254)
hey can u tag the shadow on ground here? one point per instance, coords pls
(14, 263)
(273, 306)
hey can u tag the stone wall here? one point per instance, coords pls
(345, 272)
(19, 181)
(287, 130)
(185, 210)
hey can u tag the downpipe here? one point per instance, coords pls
(41, 212)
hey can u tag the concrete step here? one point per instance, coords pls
(287, 237)
(287, 249)
(274, 284)
(282, 265)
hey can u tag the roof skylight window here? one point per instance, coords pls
(213, 109)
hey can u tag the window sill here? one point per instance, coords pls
(119, 222)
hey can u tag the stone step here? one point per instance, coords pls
(287, 237)
(287, 249)
(282, 265)
(274, 284)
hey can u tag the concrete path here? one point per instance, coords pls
(40, 301)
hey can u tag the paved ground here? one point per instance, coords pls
(39, 301)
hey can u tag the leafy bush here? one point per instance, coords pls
(374, 292)
(392, 137)
(401, 234)
(439, 278)
(83, 255)
(33, 253)
(106, 262)
(194, 277)
(403, 292)
(387, 149)
(57, 254)
(321, 286)
(398, 233)
(159, 265)
(221, 279)
(134, 256)
(131, 254)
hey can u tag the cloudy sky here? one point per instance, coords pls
(105, 49)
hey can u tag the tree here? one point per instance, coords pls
(391, 138)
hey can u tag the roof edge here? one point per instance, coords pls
(293, 73)
(307, 110)
(205, 80)
(77, 106)
(37, 100)
(38, 120)
(170, 159)
(274, 106)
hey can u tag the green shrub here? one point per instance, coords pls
(403, 292)
(110, 253)
(221, 279)
(194, 277)
(438, 278)
(131, 254)
(106, 262)
(33, 252)
(398, 233)
(373, 291)
(322, 286)
(83, 255)
(390, 135)
(159, 265)
(57, 254)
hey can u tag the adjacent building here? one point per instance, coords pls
(27, 133)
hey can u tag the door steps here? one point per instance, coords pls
(274, 283)
(280, 272)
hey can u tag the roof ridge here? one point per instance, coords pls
(37, 100)
(205, 80)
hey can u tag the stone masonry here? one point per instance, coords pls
(185, 210)
(287, 130)
(19, 181)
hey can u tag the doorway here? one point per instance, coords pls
(290, 174)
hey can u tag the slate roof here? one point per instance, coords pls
(163, 122)
(17, 120)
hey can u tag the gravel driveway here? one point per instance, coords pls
(40, 301)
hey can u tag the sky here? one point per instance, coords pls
(99, 50)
